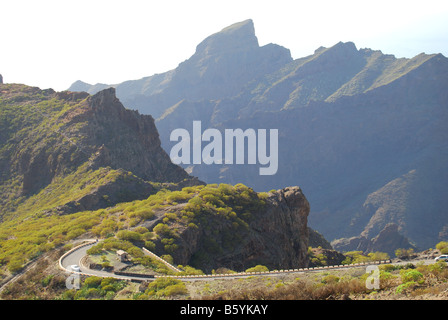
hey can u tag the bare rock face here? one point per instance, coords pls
(221, 65)
(129, 140)
(332, 257)
(282, 230)
(238, 36)
(277, 237)
(97, 130)
(386, 241)
(1, 79)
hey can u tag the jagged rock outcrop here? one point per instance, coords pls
(277, 237)
(330, 257)
(351, 122)
(54, 134)
(128, 140)
(281, 230)
(70, 153)
(107, 134)
(220, 67)
(82, 86)
(388, 240)
(318, 240)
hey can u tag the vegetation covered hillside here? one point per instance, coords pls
(362, 131)
(76, 166)
(63, 154)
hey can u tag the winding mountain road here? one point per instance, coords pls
(76, 255)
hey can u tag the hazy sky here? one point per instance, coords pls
(52, 43)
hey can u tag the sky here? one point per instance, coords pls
(53, 43)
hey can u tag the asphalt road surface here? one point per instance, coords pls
(75, 257)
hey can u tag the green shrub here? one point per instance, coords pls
(166, 287)
(168, 258)
(46, 281)
(162, 229)
(141, 230)
(94, 293)
(170, 216)
(402, 288)
(223, 270)
(359, 257)
(258, 268)
(93, 282)
(188, 270)
(318, 259)
(108, 281)
(442, 247)
(387, 267)
(411, 275)
(15, 265)
(129, 235)
(331, 278)
(144, 214)
(178, 196)
(438, 270)
(176, 289)
(387, 279)
(404, 253)
(150, 245)
(68, 295)
(378, 256)
(96, 249)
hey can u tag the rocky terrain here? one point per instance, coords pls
(74, 164)
(54, 134)
(276, 236)
(361, 131)
(222, 64)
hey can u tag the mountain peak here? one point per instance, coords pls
(340, 48)
(238, 26)
(238, 36)
(80, 86)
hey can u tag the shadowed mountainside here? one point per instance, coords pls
(79, 165)
(353, 124)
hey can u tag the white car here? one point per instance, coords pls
(75, 268)
(443, 257)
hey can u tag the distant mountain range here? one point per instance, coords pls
(363, 133)
(74, 165)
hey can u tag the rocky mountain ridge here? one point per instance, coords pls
(74, 164)
(276, 236)
(221, 65)
(352, 124)
(49, 135)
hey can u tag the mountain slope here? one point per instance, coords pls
(233, 227)
(76, 165)
(342, 151)
(351, 121)
(47, 135)
(222, 63)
